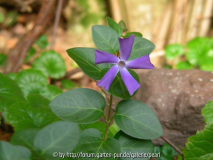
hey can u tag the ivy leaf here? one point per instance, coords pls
(114, 25)
(172, 51)
(200, 146)
(9, 92)
(136, 34)
(51, 64)
(91, 141)
(105, 38)
(207, 112)
(42, 42)
(12, 152)
(79, 105)
(141, 47)
(60, 136)
(137, 120)
(132, 145)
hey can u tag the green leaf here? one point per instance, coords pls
(37, 101)
(67, 84)
(183, 66)
(42, 42)
(11, 18)
(114, 129)
(85, 58)
(31, 81)
(31, 52)
(12, 152)
(122, 25)
(141, 47)
(9, 92)
(26, 138)
(207, 112)
(200, 146)
(172, 51)
(130, 145)
(207, 67)
(118, 87)
(136, 34)
(105, 38)
(3, 59)
(51, 64)
(12, 76)
(2, 17)
(57, 137)
(22, 116)
(91, 141)
(51, 92)
(114, 25)
(167, 152)
(137, 120)
(79, 105)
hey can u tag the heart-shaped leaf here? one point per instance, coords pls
(13, 152)
(200, 146)
(141, 47)
(51, 64)
(22, 116)
(132, 145)
(85, 58)
(57, 137)
(9, 92)
(105, 38)
(118, 88)
(31, 81)
(207, 112)
(114, 25)
(79, 105)
(91, 141)
(137, 120)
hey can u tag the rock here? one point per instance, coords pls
(177, 97)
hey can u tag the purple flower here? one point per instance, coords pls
(121, 64)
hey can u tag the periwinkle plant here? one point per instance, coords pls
(110, 65)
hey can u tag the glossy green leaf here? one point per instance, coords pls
(79, 105)
(91, 141)
(114, 25)
(51, 92)
(31, 81)
(26, 138)
(118, 87)
(22, 116)
(57, 137)
(122, 25)
(31, 52)
(200, 146)
(172, 51)
(51, 64)
(13, 152)
(9, 92)
(105, 38)
(67, 84)
(37, 101)
(42, 42)
(85, 58)
(11, 18)
(136, 34)
(141, 47)
(138, 120)
(207, 112)
(3, 59)
(132, 145)
(183, 66)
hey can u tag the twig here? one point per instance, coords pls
(18, 53)
(173, 146)
(56, 22)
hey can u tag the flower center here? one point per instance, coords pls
(121, 64)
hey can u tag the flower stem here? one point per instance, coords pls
(108, 117)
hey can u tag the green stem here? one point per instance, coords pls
(108, 117)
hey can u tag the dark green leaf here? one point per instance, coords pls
(79, 105)
(200, 146)
(118, 87)
(141, 47)
(172, 51)
(91, 141)
(12, 152)
(11, 18)
(12, 76)
(51, 92)
(42, 42)
(3, 59)
(122, 25)
(137, 120)
(114, 25)
(105, 38)
(167, 152)
(51, 64)
(37, 101)
(31, 52)
(132, 145)
(67, 84)
(85, 58)
(114, 129)
(57, 137)
(183, 66)
(9, 92)
(207, 112)
(136, 34)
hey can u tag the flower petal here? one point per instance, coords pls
(108, 77)
(104, 57)
(131, 84)
(126, 47)
(140, 63)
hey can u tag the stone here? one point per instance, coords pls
(177, 97)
